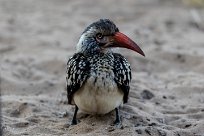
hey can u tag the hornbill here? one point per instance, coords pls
(97, 78)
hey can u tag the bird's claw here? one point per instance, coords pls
(117, 124)
(75, 122)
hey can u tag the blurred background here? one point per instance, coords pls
(37, 38)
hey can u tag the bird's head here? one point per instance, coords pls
(103, 35)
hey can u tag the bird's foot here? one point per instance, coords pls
(74, 122)
(74, 119)
(117, 124)
(117, 121)
(71, 123)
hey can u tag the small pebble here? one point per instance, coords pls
(148, 132)
(67, 125)
(152, 124)
(164, 97)
(188, 125)
(21, 124)
(157, 103)
(161, 133)
(110, 129)
(139, 131)
(146, 94)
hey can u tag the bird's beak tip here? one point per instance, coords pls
(143, 54)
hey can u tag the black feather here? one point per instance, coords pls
(122, 73)
(78, 70)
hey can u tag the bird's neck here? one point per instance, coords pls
(92, 49)
(97, 53)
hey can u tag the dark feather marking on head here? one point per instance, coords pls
(106, 25)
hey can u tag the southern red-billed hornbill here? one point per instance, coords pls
(97, 78)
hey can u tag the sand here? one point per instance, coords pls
(167, 89)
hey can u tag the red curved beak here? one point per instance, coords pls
(121, 40)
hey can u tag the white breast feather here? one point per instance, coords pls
(98, 97)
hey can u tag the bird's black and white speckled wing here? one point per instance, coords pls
(78, 69)
(122, 73)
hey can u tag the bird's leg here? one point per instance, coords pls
(74, 120)
(117, 120)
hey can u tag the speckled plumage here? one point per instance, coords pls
(104, 70)
(97, 78)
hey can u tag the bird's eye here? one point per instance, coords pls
(99, 35)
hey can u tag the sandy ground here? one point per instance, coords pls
(167, 90)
